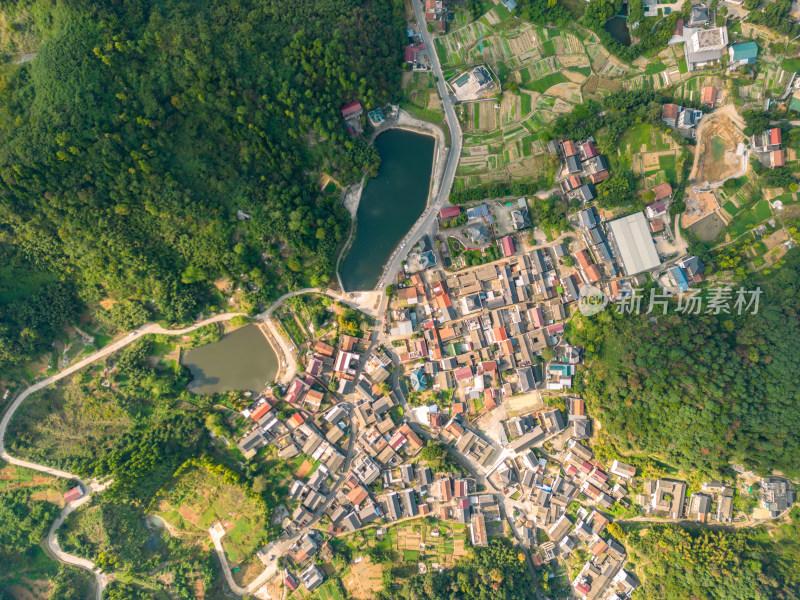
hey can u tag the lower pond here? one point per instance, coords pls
(618, 28)
(390, 204)
(241, 360)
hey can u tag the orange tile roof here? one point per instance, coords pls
(662, 191)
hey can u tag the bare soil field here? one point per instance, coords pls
(708, 228)
(524, 403)
(715, 156)
(363, 579)
(304, 469)
(698, 206)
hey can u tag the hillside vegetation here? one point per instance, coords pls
(702, 391)
(702, 564)
(140, 128)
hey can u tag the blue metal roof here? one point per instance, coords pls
(680, 278)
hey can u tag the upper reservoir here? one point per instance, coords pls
(390, 204)
(241, 360)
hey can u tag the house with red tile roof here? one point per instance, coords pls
(442, 301)
(669, 114)
(599, 176)
(709, 96)
(593, 273)
(536, 316)
(73, 494)
(324, 349)
(448, 212)
(352, 110)
(295, 391)
(583, 258)
(313, 399)
(663, 191)
(295, 420)
(357, 495)
(588, 150)
(508, 246)
(261, 410)
(463, 374)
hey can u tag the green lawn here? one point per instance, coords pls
(545, 83)
(411, 555)
(682, 66)
(654, 68)
(748, 219)
(763, 211)
(635, 137)
(582, 70)
(667, 164)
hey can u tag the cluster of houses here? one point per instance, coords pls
(437, 12)
(482, 227)
(581, 161)
(767, 147)
(481, 333)
(705, 46)
(416, 52)
(683, 120)
(551, 486)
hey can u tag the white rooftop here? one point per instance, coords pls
(636, 248)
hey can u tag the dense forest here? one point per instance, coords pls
(140, 128)
(704, 564)
(497, 572)
(702, 391)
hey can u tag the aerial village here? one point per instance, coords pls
(472, 359)
(475, 359)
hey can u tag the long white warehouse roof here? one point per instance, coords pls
(635, 244)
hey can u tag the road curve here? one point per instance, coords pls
(357, 300)
(52, 541)
(425, 224)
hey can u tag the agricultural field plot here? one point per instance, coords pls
(199, 498)
(468, 44)
(748, 218)
(554, 69)
(691, 88)
(438, 542)
(419, 89)
(13, 477)
(362, 579)
(775, 78)
(654, 155)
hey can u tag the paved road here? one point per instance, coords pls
(102, 353)
(56, 552)
(426, 223)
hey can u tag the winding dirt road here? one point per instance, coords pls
(92, 486)
(362, 300)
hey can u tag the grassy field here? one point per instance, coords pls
(747, 219)
(730, 208)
